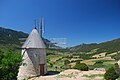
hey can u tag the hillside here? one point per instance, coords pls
(8, 36)
(11, 38)
(14, 39)
(109, 46)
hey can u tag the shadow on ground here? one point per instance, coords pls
(52, 73)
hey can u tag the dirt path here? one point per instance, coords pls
(73, 74)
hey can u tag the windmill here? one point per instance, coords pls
(34, 56)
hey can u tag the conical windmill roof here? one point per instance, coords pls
(34, 40)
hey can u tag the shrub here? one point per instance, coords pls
(81, 66)
(9, 65)
(116, 66)
(1, 56)
(111, 74)
(117, 69)
(66, 62)
(51, 65)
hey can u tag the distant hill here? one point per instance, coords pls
(8, 36)
(109, 46)
(14, 39)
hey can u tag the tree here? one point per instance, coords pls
(51, 65)
(111, 74)
(81, 66)
(66, 62)
(9, 65)
(117, 69)
(1, 56)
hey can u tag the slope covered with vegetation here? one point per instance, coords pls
(8, 36)
(14, 39)
(109, 46)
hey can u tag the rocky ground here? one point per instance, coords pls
(72, 74)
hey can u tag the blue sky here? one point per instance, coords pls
(80, 21)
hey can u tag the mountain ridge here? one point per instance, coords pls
(12, 38)
(108, 46)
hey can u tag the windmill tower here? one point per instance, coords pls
(34, 57)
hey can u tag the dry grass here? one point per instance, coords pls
(88, 62)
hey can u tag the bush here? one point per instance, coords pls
(10, 63)
(51, 64)
(66, 62)
(81, 66)
(1, 56)
(111, 74)
(117, 69)
(116, 66)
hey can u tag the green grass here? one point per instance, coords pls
(106, 64)
(54, 56)
(58, 64)
(100, 66)
(103, 60)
